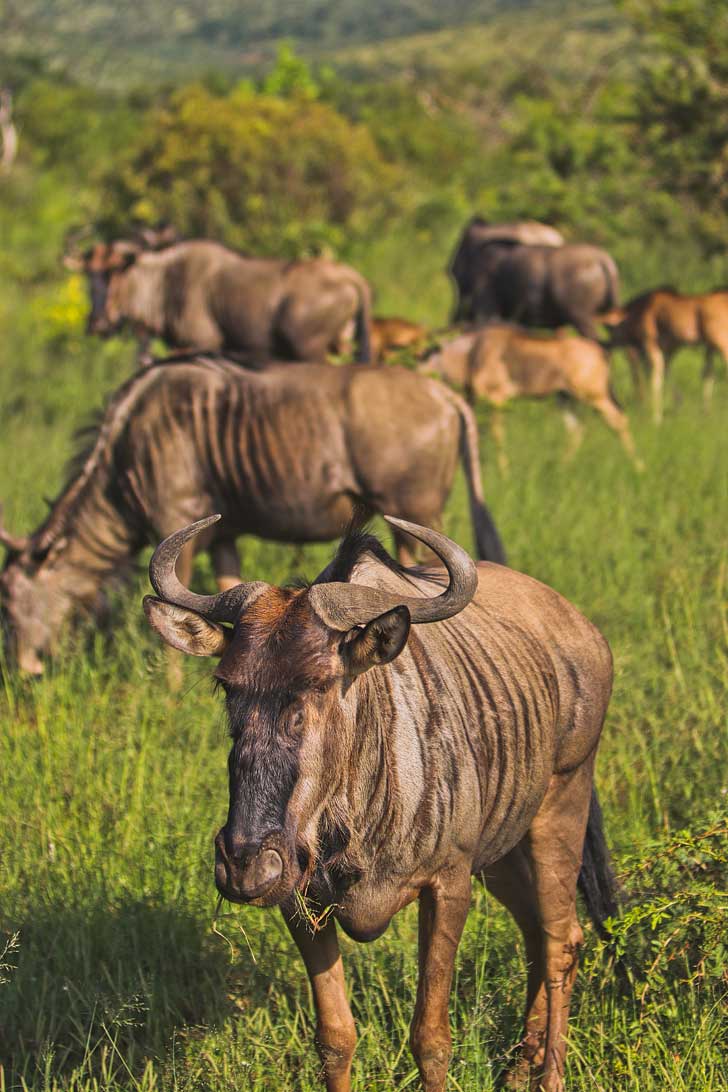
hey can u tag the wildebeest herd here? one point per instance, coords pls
(397, 728)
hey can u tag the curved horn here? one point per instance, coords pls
(16, 543)
(223, 607)
(343, 606)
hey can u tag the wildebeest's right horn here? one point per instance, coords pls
(16, 543)
(345, 605)
(223, 607)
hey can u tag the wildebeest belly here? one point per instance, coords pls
(535, 373)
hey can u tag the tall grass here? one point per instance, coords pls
(111, 789)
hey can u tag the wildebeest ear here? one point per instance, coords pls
(380, 642)
(185, 629)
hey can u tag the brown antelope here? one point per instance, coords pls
(288, 453)
(499, 363)
(655, 324)
(389, 334)
(396, 732)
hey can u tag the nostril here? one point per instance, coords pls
(264, 871)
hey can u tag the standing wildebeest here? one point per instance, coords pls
(656, 323)
(199, 295)
(544, 285)
(389, 334)
(286, 453)
(501, 362)
(466, 260)
(389, 743)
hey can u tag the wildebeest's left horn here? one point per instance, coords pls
(16, 543)
(342, 606)
(223, 607)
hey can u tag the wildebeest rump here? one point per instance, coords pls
(388, 743)
(465, 262)
(501, 362)
(286, 453)
(653, 325)
(199, 295)
(544, 285)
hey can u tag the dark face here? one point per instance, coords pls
(286, 677)
(105, 266)
(32, 609)
(98, 322)
(280, 675)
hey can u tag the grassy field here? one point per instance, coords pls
(110, 789)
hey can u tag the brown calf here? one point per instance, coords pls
(388, 334)
(652, 326)
(501, 362)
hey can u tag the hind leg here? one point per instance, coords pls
(618, 422)
(226, 563)
(657, 378)
(572, 424)
(510, 880)
(542, 898)
(637, 369)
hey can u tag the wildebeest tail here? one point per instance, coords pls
(597, 882)
(362, 328)
(487, 540)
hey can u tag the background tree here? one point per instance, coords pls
(681, 103)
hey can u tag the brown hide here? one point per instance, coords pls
(456, 748)
(389, 334)
(655, 324)
(287, 453)
(501, 362)
(199, 295)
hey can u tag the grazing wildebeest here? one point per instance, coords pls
(653, 325)
(548, 286)
(287, 453)
(199, 295)
(502, 362)
(389, 334)
(388, 744)
(465, 263)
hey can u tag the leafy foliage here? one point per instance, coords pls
(681, 106)
(267, 173)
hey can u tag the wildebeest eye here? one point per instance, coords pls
(220, 684)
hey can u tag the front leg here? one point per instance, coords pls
(443, 908)
(335, 1029)
(226, 563)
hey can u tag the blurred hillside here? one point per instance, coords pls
(134, 43)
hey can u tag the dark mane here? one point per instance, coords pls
(96, 441)
(644, 296)
(358, 541)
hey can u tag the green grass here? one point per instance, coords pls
(111, 789)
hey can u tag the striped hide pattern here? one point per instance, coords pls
(287, 453)
(394, 733)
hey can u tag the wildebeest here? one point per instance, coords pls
(388, 744)
(478, 232)
(653, 325)
(389, 334)
(542, 285)
(199, 295)
(502, 362)
(287, 453)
